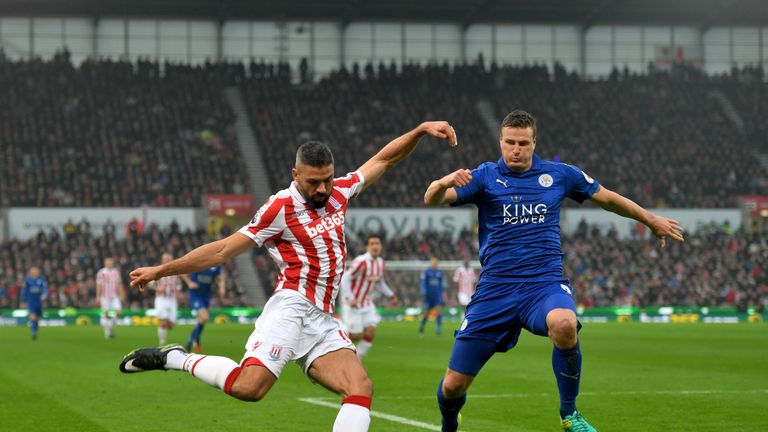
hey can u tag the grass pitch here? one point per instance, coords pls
(649, 377)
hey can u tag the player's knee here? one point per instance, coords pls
(563, 330)
(361, 386)
(454, 386)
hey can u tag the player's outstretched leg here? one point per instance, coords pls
(242, 382)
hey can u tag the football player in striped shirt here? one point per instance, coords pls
(303, 229)
(360, 282)
(166, 304)
(109, 291)
(465, 278)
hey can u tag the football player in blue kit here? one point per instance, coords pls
(200, 285)
(33, 293)
(522, 285)
(432, 287)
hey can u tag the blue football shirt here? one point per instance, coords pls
(519, 217)
(204, 279)
(34, 289)
(432, 283)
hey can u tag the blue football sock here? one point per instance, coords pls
(566, 363)
(199, 332)
(439, 320)
(449, 408)
(423, 322)
(33, 326)
(194, 336)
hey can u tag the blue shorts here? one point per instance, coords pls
(35, 308)
(197, 302)
(432, 301)
(497, 314)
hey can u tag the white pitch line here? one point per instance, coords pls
(610, 393)
(392, 418)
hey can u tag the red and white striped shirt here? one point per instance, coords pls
(167, 286)
(364, 277)
(465, 278)
(109, 281)
(307, 244)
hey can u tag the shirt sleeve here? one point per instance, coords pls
(385, 289)
(472, 192)
(357, 265)
(346, 287)
(350, 185)
(578, 185)
(268, 222)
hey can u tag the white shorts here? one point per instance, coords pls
(108, 304)
(359, 319)
(166, 308)
(290, 328)
(464, 298)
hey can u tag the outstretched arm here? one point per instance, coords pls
(207, 255)
(399, 148)
(442, 191)
(660, 226)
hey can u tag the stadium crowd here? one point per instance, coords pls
(112, 133)
(643, 135)
(70, 261)
(716, 266)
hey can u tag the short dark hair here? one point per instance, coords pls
(519, 119)
(314, 153)
(372, 236)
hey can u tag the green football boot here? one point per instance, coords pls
(576, 423)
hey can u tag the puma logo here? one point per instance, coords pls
(504, 182)
(573, 377)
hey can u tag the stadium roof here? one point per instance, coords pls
(699, 13)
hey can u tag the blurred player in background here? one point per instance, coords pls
(109, 291)
(433, 290)
(200, 290)
(33, 294)
(465, 278)
(166, 304)
(358, 285)
(303, 228)
(522, 285)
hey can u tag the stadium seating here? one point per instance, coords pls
(70, 262)
(715, 267)
(110, 134)
(660, 138)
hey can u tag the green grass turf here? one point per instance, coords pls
(649, 377)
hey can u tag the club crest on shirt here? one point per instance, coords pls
(464, 324)
(545, 180)
(274, 353)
